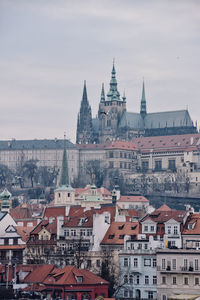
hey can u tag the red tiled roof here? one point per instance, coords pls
(170, 142)
(164, 207)
(39, 274)
(68, 275)
(195, 220)
(50, 227)
(117, 231)
(122, 145)
(54, 211)
(24, 232)
(25, 211)
(133, 199)
(164, 216)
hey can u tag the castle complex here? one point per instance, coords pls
(114, 122)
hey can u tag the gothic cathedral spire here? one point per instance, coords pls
(143, 108)
(84, 122)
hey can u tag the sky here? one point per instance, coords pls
(49, 47)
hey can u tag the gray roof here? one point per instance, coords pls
(2, 215)
(177, 118)
(95, 124)
(132, 120)
(35, 144)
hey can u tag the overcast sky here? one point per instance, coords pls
(48, 48)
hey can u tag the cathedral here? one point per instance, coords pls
(113, 122)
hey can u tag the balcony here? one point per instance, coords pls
(183, 270)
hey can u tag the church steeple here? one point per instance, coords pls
(84, 133)
(64, 180)
(102, 93)
(143, 109)
(84, 97)
(113, 93)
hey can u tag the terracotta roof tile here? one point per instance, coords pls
(24, 232)
(133, 199)
(193, 219)
(117, 231)
(54, 211)
(39, 274)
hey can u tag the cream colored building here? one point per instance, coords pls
(178, 272)
(47, 152)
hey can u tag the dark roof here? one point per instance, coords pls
(132, 120)
(177, 118)
(35, 144)
(164, 119)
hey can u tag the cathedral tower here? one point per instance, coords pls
(110, 111)
(84, 133)
(143, 106)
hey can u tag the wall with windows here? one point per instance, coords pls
(178, 272)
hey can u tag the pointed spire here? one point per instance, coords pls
(102, 93)
(143, 109)
(124, 97)
(113, 93)
(64, 180)
(84, 98)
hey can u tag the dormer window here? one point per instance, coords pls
(68, 194)
(79, 279)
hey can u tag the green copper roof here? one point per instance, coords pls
(113, 94)
(5, 195)
(65, 188)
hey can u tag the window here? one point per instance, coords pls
(164, 297)
(158, 165)
(196, 264)
(73, 232)
(15, 241)
(111, 164)
(152, 228)
(145, 228)
(131, 279)
(150, 294)
(196, 280)
(154, 279)
(125, 262)
(163, 280)
(125, 278)
(147, 262)
(130, 294)
(120, 165)
(125, 293)
(79, 279)
(169, 229)
(121, 155)
(174, 280)
(98, 263)
(175, 229)
(89, 263)
(82, 232)
(185, 264)
(146, 280)
(145, 165)
(6, 241)
(172, 164)
(174, 264)
(138, 279)
(185, 280)
(145, 246)
(66, 232)
(68, 195)
(135, 262)
(154, 262)
(111, 155)
(163, 264)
